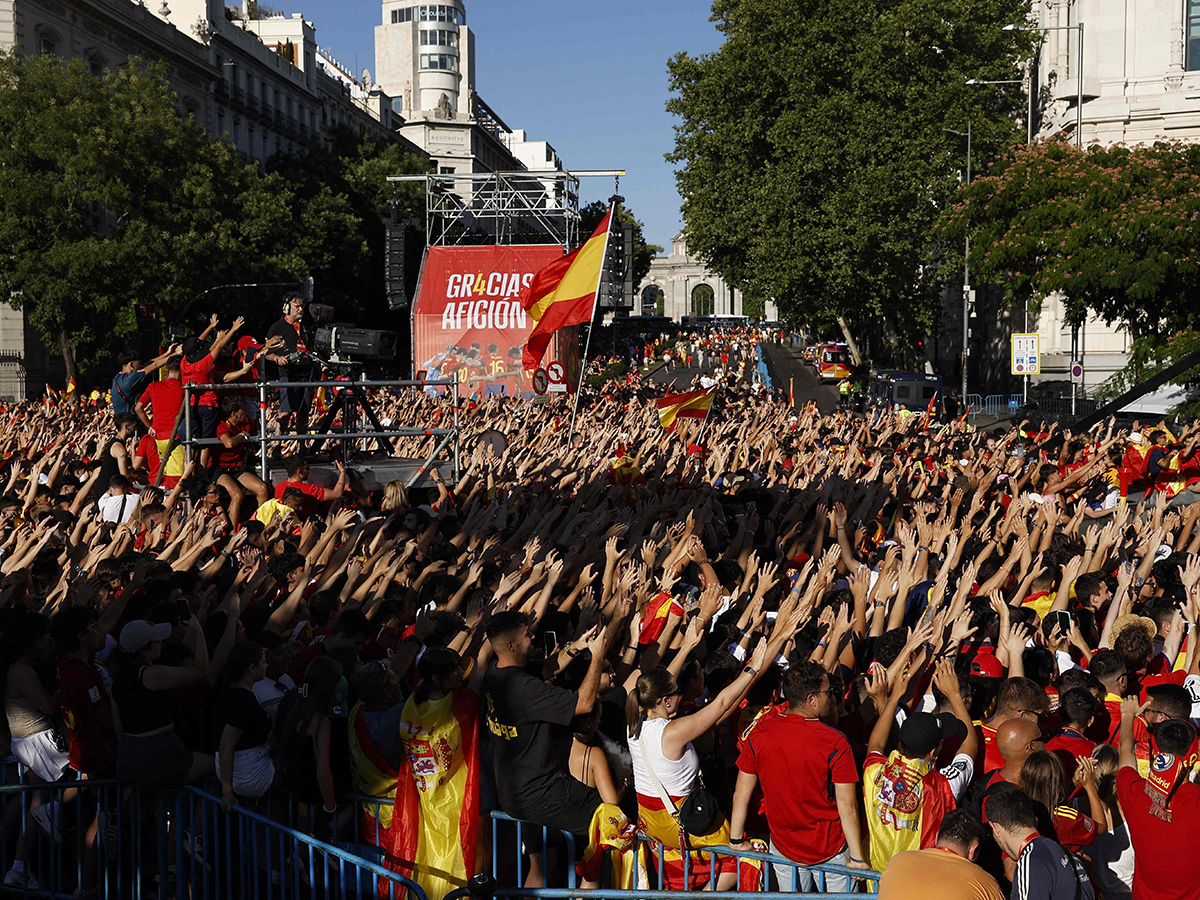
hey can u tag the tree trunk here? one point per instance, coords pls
(68, 358)
(855, 356)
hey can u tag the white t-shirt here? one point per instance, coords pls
(117, 509)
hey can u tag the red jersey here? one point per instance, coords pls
(1072, 828)
(313, 494)
(1070, 746)
(200, 373)
(87, 715)
(1167, 864)
(231, 458)
(992, 759)
(798, 761)
(164, 399)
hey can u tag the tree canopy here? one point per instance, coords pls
(811, 155)
(116, 209)
(1114, 229)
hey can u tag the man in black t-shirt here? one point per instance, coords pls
(523, 715)
(293, 402)
(1045, 871)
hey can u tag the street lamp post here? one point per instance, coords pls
(966, 325)
(1078, 26)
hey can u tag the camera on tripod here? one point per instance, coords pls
(340, 342)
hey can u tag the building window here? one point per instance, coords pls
(442, 14)
(1193, 35)
(95, 63)
(47, 42)
(436, 38)
(398, 106)
(439, 61)
(402, 15)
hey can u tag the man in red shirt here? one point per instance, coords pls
(1076, 710)
(1109, 667)
(298, 470)
(198, 367)
(1162, 810)
(810, 784)
(1018, 698)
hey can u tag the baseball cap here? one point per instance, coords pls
(245, 341)
(138, 633)
(986, 665)
(922, 732)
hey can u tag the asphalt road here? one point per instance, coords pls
(787, 364)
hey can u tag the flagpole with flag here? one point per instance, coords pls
(707, 413)
(692, 405)
(587, 346)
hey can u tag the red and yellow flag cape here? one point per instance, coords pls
(692, 405)
(564, 292)
(436, 822)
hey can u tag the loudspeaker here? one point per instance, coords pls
(393, 264)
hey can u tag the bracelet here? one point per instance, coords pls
(855, 859)
(822, 643)
(330, 809)
(740, 840)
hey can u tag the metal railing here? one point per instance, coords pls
(247, 854)
(264, 438)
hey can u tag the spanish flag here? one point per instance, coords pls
(655, 615)
(71, 388)
(564, 292)
(435, 828)
(692, 405)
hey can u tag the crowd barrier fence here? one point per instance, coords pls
(181, 844)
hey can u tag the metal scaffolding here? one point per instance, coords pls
(525, 207)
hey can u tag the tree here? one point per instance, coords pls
(811, 156)
(1114, 229)
(111, 200)
(643, 253)
(350, 271)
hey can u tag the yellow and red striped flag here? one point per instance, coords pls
(692, 405)
(564, 292)
(71, 388)
(434, 829)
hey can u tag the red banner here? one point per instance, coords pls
(468, 317)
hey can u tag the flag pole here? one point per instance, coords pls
(587, 346)
(707, 413)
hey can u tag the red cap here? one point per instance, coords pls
(987, 665)
(245, 341)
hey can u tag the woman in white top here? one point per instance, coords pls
(664, 741)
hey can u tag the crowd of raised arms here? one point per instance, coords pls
(964, 659)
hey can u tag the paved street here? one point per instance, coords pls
(787, 363)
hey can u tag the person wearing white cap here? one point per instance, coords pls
(151, 753)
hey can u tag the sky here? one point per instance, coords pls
(590, 78)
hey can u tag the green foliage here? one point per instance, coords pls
(643, 253)
(810, 148)
(1112, 228)
(116, 211)
(608, 373)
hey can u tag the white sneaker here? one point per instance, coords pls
(21, 879)
(49, 816)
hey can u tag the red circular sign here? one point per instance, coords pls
(540, 381)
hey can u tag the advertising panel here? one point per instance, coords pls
(468, 317)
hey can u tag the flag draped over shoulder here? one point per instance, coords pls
(373, 776)
(692, 405)
(434, 829)
(564, 292)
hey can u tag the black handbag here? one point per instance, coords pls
(697, 814)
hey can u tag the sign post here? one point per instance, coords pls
(556, 374)
(1026, 358)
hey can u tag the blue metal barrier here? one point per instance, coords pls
(247, 854)
(127, 858)
(656, 851)
(974, 402)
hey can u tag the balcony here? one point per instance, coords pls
(239, 96)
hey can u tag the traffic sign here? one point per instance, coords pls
(1077, 372)
(556, 373)
(1026, 354)
(539, 381)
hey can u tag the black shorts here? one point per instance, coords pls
(569, 807)
(204, 421)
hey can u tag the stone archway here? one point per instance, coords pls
(653, 300)
(703, 301)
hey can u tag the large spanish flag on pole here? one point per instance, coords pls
(564, 292)
(692, 405)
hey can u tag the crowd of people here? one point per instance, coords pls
(966, 660)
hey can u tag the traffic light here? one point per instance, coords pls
(921, 349)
